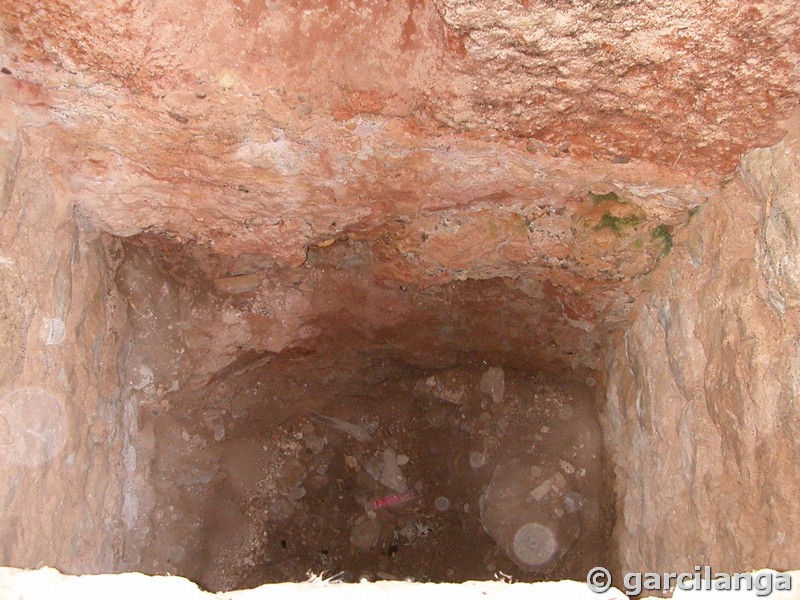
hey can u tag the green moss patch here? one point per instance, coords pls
(617, 224)
(600, 198)
(662, 232)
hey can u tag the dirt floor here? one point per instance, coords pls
(378, 478)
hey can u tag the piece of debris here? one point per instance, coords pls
(412, 532)
(358, 432)
(392, 500)
(573, 502)
(366, 533)
(493, 383)
(315, 443)
(391, 475)
(178, 117)
(541, 490)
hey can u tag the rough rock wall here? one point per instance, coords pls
(659, 81)
(562, 142)
(553, 141)
(701, 415)
(61, 421)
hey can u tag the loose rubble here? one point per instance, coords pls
(446, 475)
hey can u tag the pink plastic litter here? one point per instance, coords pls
(392, 500)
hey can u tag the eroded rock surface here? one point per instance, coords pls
(701, 413)
(63, 428)
(560, 145)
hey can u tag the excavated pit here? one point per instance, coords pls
(438, 289)
(425, 448)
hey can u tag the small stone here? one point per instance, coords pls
(315, 443)
(566, 467)
(441, 503)
(178, 117)
(321, 463)
(351, 461)
(281, 509)
(297, 493)
(573, 502)
(402, 459)
(493, 383)
(533, 146)
(366, 533)
(541, 490)
(227, 81)
(391, 476)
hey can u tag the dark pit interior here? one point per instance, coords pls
(361, 451)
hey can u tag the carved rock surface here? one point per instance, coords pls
(701, 388)
(190, 188)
